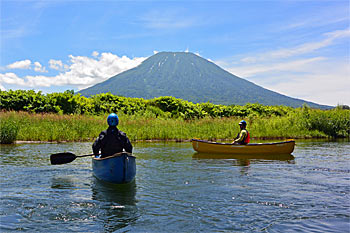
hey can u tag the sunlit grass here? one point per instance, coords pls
(55, 127)
(8, 131)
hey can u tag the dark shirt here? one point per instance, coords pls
(111, 141)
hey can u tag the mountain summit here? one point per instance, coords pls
(189, 77)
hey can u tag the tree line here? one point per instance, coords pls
(69, 103)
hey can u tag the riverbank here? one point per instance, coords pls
(49, 127)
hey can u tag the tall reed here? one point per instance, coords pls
(8, 131)
(54, 127)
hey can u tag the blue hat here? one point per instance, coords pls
(113, 119)
(243, 123)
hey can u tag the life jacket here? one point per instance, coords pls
(247, 138)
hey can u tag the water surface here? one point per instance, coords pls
(177, 190)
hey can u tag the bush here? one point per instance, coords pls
(334, 123)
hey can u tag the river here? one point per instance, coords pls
(176, 190)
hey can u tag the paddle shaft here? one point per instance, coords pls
(119, 153)
(79, 156)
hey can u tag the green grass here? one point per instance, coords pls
(8, 131)
(55, 127)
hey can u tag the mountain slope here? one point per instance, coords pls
(189, 77)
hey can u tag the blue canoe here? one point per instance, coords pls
(119, 168)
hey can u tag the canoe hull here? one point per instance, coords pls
(118, 169)
(285, 147)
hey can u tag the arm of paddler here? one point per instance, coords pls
(97, 144)
(242, 135)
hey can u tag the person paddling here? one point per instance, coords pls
(112, 140)
(243, 136)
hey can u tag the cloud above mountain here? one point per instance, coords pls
(80, 72)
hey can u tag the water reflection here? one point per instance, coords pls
(117, 208)
(123, 194)
(244, 159)
(62, 183)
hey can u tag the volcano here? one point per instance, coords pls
(190, 77)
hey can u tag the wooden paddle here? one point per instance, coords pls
(67, 157)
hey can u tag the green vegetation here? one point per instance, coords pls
(33, 116)
(165, 107)
(53, 127)
(8, 130)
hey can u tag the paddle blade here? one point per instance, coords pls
(62, 158)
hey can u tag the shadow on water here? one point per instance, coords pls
(117, 203)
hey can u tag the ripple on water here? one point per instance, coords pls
(175, 191)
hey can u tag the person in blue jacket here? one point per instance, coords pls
(112, 140)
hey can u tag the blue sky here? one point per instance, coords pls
(297, 48)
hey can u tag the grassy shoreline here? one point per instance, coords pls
(58, 117)
(50, 127)
(253, 140)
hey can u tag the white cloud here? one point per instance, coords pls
(299, 50)
(328, 16)
(27, 65)
(82, 71)
(95, 54)
(39, 68)
(300, 72)
(327, 83)
(291, 66)
(11, 78)
(24, 64)
(57, 65)
(318, 79)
